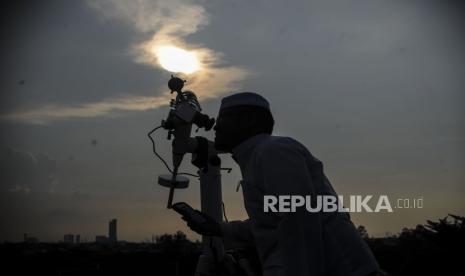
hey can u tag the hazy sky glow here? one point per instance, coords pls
(373, 88)
(177, 60)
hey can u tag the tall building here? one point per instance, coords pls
(78, 239)
(112, 231)
(101, 239)
(68, 238)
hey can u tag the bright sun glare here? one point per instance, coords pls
(175, 59)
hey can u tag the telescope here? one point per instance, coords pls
(184, 111)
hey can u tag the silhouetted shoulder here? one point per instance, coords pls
(274, 146)
(281, 147)
(277, 143)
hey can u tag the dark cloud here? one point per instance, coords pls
(23, 172)
(26, 181)
(61, 52)
(31, 196)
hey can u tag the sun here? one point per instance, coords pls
(177, 60)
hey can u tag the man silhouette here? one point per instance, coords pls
(291, 243)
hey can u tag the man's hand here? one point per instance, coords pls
(206, 226)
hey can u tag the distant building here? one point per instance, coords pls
(101, 239)
(112, 234)
(68, 238)
(78, 239)
(30, 239)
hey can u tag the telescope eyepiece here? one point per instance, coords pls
(203, 121)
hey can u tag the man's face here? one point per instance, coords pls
(228, 130)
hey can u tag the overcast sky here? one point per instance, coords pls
(374, 89)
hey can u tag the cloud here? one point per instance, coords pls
(23, 172)
(165, 23)
(175, 17)
(171, 22)
(49, 113)
(32, 201)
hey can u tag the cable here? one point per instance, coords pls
(190, 174)
(224, 212)
(161, 158)
(155, 151)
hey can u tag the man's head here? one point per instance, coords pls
(241, 116)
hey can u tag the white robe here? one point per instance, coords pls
(300, 243)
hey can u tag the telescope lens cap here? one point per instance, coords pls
(175, 84)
